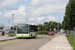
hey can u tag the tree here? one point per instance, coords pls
(40, 26)
(13, 28)
(49, 25)
(69, 18)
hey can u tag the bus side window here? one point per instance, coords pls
(29, 29)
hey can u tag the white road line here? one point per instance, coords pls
(58, 43)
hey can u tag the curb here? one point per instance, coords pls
(5, 39)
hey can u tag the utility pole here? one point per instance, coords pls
(58, 26)
(26, 21)
(13, 20)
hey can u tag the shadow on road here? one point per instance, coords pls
(32, 38)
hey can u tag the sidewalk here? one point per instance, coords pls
(5, 37)
(58, 43)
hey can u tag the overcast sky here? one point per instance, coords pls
(36, 11)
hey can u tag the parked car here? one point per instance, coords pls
(71, 32)
(55, 31)
(59, 33)
(12, 31)
(67, 31)
(64, 31)
(51, 33)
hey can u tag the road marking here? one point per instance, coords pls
(58, 43)
(10, 42)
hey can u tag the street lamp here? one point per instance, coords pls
(13, 20)
(58, 25)
(58, 20)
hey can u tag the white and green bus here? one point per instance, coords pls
(26, 30)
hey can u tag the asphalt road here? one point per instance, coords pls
(25, 44)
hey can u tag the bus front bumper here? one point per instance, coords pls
(22, 36)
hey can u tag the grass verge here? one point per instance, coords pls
(11, 34)
(71, 41)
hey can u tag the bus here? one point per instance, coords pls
(26, 30)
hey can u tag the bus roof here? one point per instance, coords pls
(25, 24)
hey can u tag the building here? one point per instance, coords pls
(6, 28)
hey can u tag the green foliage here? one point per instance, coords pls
(49, 25)
(13, 28)
(69, 18)
(11, 34)
(40, 26)
(43, 32)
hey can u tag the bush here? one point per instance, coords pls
(11, 34)
(43, 32)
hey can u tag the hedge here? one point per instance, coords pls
(43, 32)
(11, 34)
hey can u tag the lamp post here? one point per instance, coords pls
(58, 26)
(13, 20)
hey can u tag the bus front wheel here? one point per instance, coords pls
(31, 35)
(35, 36)
(19, 37)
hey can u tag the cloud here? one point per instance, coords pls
(46, 7)
(9, 3)
(0, 13)
(52, 2)
(52, 18)
(19, 13)
(33, 10)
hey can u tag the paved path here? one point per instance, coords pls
(4, 36)
(58, 43)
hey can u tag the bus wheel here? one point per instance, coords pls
(31, 35)
(19, 37)
(35, 36)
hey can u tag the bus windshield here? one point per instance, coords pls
(22, 29)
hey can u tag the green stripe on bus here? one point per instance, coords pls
(25, 36)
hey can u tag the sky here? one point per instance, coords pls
(35, 11)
